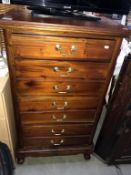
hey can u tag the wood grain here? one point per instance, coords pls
(60, 88)
(58, 117)
(35, 66)
(45, 47)
(42, 142)
(54, 130)
(44, 69)
(57, 103)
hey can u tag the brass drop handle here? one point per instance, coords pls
(106, 47)
(58, 47)
(73, 48)
(60, 108)
(57, 144)
(59, 120)
(56, 69)
(67, 89)
(70, 69)
(57, 134)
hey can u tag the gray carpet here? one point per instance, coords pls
(69, 165)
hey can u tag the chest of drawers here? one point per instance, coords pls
(60, 71)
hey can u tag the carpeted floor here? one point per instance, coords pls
(69, 165)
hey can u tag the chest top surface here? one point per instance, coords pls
(20, 17)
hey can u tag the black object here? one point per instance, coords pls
(114, 142)
(6, 163)
(104, 6)
(55, 13)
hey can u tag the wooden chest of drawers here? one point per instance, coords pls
(60, 71)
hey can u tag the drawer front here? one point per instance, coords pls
(44, 69)
(32, 87)
(57, 103)
(60, 47)
(58, 117)
(48, 47)
(57, 130)
(57, 141)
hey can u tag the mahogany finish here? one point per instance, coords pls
(33, 104)
(57, 130)
(60, 70)
(39, 46)
(45, 69)
(56, 142)
(31, 87)
(57, 117)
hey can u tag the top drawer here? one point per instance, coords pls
(36, 46)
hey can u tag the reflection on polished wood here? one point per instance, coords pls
(60, 70)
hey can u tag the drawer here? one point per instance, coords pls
(58, 117)
(57, 103)
(34, 87)
(44, 69)
(57, 130)
(34, 46)
(56, 141)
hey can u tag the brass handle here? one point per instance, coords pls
(58, 47)
(67, 89)
(56, 87)
(73, 48)
(56, 69)
(59, 120)
(60, 108)
(70, 69)
(106, 47)
(57, 134)
(57, 144)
